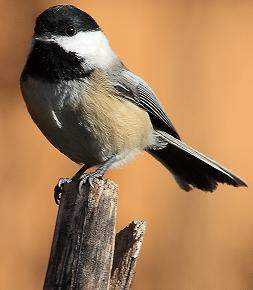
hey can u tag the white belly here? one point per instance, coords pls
(57, 118)
(85, 124)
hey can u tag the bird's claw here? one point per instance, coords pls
(58, 190)
(89, 177)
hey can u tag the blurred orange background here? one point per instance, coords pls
(198, 57)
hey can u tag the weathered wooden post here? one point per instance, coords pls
(86, 253)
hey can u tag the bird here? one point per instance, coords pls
(97, 112)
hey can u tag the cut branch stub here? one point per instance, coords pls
(83, 256)
(127, 248)
(82, 249)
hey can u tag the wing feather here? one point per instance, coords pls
(134, 89)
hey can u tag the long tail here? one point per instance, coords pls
(191, 168)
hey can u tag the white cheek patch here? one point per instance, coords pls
(93, 46)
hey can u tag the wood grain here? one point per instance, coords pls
(82, 253)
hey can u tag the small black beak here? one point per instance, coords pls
(46, 36)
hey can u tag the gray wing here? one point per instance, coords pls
(134, 89)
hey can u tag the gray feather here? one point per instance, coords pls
(192, 168)
(134, 89)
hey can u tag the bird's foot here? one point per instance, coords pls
(58, 190)
(90, 178)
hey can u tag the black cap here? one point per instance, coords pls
(65, 20)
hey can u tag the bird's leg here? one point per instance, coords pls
(81, 171)
(89, 177)
(58, 190)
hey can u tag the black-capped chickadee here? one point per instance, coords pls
(97, 112)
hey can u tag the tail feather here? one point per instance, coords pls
(191, 168)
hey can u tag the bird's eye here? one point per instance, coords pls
(70, 30)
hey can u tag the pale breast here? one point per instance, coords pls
(53, 109)
(85, 121)
(117, 124)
